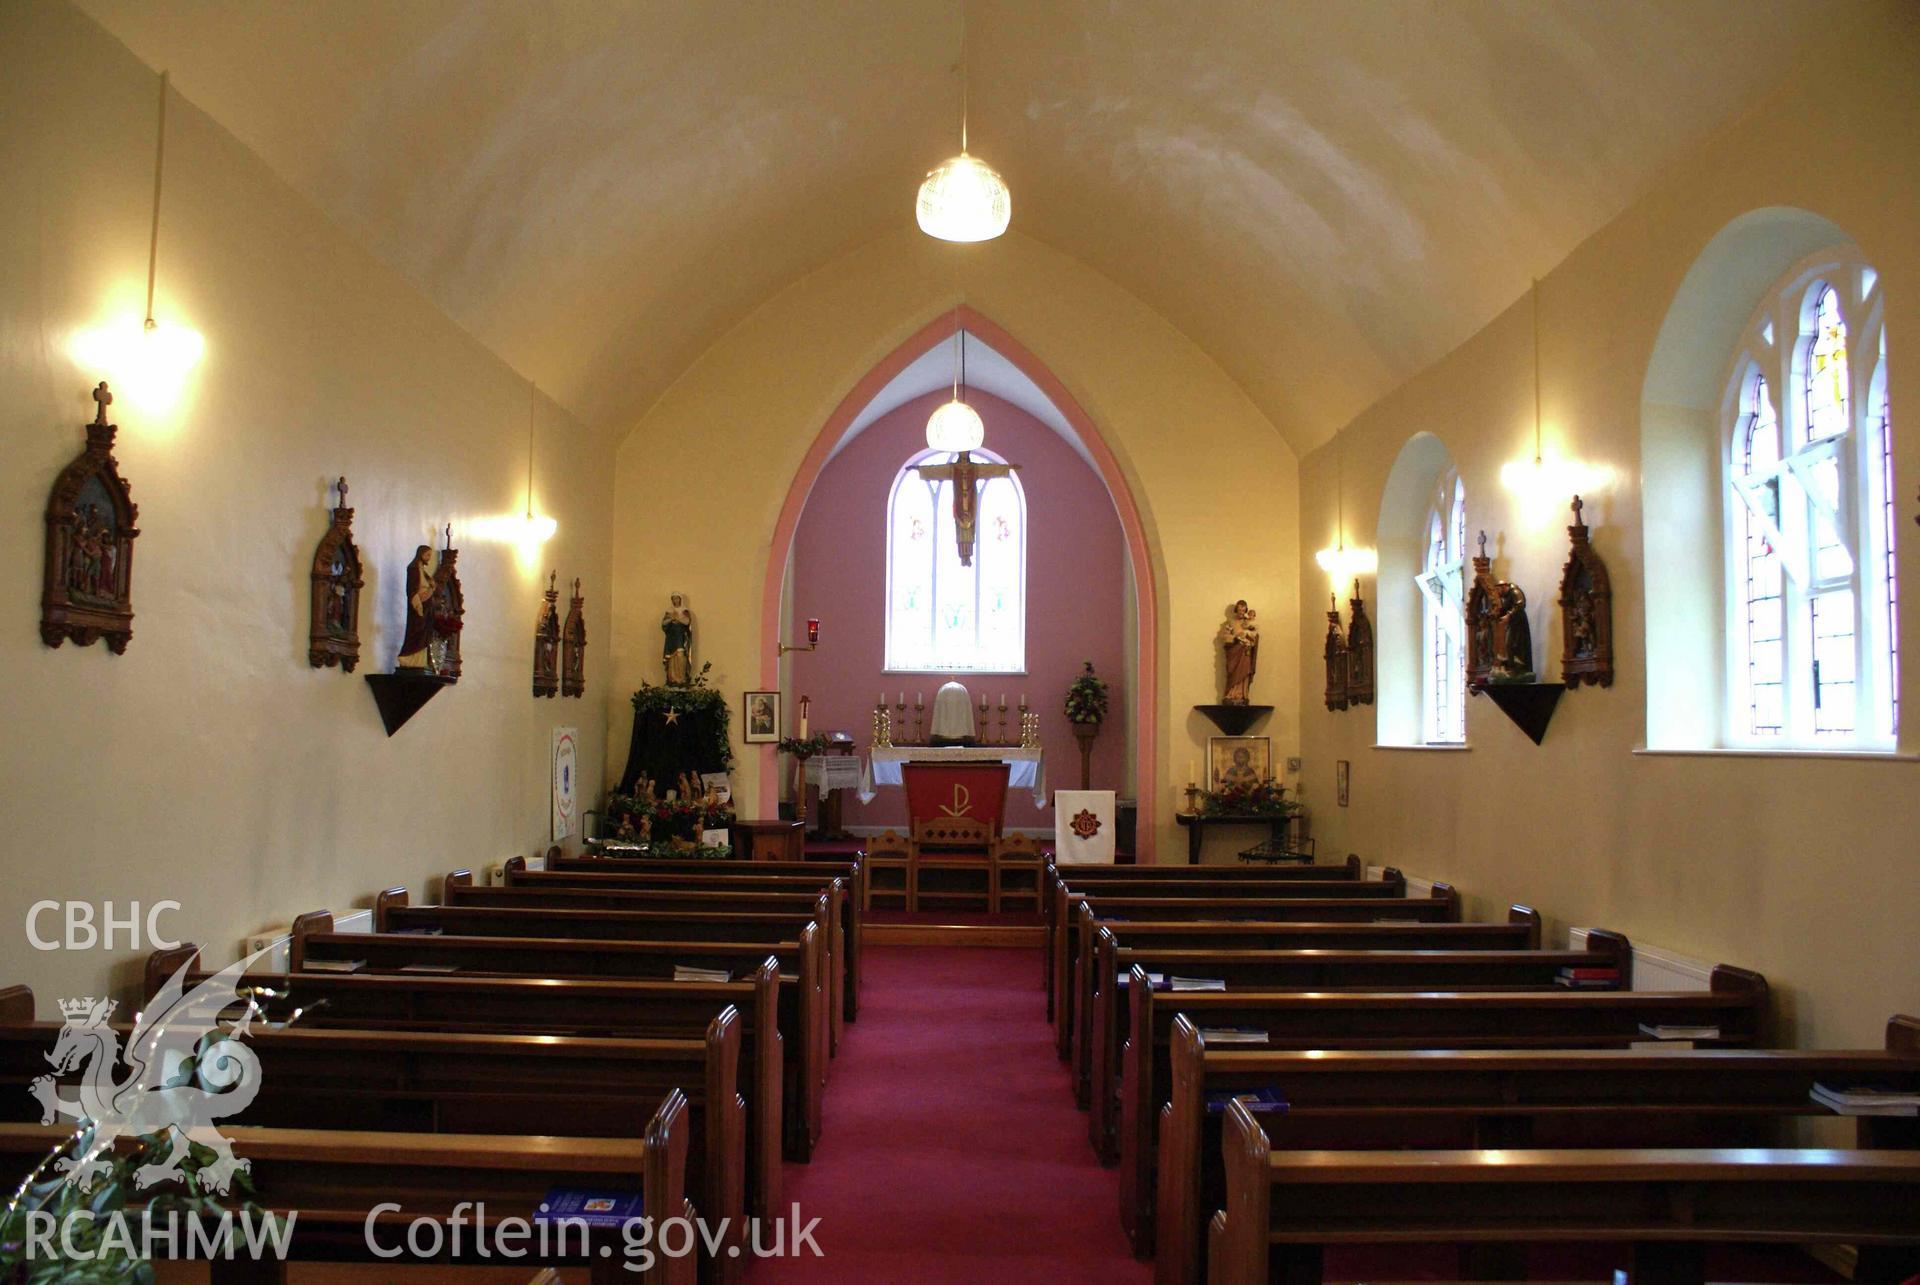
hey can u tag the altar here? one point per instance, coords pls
(1027, 764)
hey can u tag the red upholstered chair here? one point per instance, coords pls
(955, 811)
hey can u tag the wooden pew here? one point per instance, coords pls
(1087, 878)
(1285, 1207)
(1368, 903)
(539, 1006)
(763, 1044)
(822, 905)
(1520, 932)
(333, 1180)
(754, 879)
(797, 941)
(1348, 1100)
(1737, 1005)
(439, 1082)
(1323, 971)
(854, 870)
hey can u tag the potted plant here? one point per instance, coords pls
(1086, 709)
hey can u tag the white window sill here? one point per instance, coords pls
(1729, 752)
(1437, 749)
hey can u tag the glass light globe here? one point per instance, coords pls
(964, 199)
(955, 427)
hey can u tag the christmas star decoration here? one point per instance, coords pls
(672, 716)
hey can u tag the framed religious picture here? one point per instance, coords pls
(1340, 777)
(761, 713)
(1238, 761)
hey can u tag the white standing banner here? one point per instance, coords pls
(1083, 827)
(566, 768)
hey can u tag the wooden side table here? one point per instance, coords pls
(1196, 826)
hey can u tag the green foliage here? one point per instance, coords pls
(1087, 697)
(1266, 799)
(676, 730)
(98, 1258)
(804, 748)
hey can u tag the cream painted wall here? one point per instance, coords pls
(1799, 867)
(210, 764)
(701, 479)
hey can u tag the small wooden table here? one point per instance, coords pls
(1196, 826)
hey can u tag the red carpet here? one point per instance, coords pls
(952, 1150)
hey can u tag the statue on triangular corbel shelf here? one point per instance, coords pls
(573, 647)
(1483, 614)
(1586, 611)
(1359, 652)
(546, 640)
(333, 636)
(436, 609)
(1335, 654)
(87, 593)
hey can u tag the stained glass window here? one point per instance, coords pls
(941, 616)
(1814, 595)
(1442, 585)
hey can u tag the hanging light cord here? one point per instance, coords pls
(1536, 372)
(963, 77)
(533, 399)
(159, 168)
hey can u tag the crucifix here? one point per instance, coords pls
(966, 474)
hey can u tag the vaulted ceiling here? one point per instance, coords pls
(1324, 196)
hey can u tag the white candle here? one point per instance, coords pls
(919, 698)
(903, 698)
(803, 719)
(1003, 700)
(883, 698)
(1023, 700)
(1190, 776)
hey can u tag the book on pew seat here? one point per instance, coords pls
(688, 973)
(1233, 1035)
(429, 968)
(1157, 981)
(593, 1206)
(1664, 1031)
(1591, 974)
(1259, 1101)
(333, 965)
(1400, 922)
(1866, 1100)
(429, 930)
(1196, 984)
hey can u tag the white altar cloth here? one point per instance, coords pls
(1029, 765)
(829, 772)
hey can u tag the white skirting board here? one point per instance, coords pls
(1415, 887)
(275, 942)
(1655, 969)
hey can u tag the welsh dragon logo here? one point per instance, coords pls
(184, 1071)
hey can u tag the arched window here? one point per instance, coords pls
(941, 616)
(1442, 581)
(1812, 600)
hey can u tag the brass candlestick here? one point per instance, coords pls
(901, 722)
(986, 730)
(882, 727)
(1003, 722)
(918, 710)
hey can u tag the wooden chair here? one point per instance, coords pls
(958, 852)
(890, 872)
(1015, 880)
(955, 811)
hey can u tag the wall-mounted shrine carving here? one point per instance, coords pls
(333, 636)
(573, 647)
(1359, 651)
(546, 641)
(88, 589)
(1586, 611)
(1335, 654)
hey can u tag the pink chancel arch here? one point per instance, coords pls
(1145, 679)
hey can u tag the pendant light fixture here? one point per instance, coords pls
(149, 359)
(963, 198)
(1339, 562)
(536, 530)
(1541, 485)
(956, 427)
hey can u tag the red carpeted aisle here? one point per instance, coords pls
(952, 1149)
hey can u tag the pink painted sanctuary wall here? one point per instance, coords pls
(1075, 580)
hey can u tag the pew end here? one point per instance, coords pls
(461, 878)
(1606, 943)
(1447, 895)
(383, 901)
(1392, 874)
(1519, 914)
(515, 864)
(313, 921)
(162, 964)
(16, 1004)
(1903, 1034)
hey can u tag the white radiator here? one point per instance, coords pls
(1415, 887)
(1655, 969)
(275, 941)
